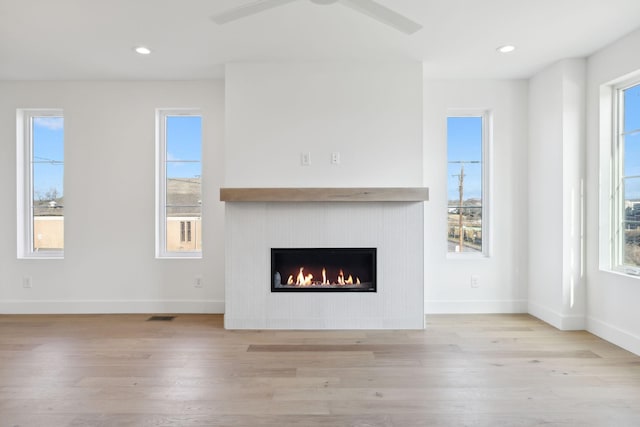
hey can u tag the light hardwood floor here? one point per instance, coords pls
(463, 370)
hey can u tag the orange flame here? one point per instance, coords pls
(303, 280)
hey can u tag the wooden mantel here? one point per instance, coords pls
(301, 194)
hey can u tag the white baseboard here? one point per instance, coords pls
(561, 321)
(614, 335)
(323, 323)
(474, 306)
(109, 306)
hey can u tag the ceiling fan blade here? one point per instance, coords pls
(383, 14)
(247, 9)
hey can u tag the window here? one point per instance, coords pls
(40, 166)
(179, 184)
(626, 178)
(185, 231)
(467, 183)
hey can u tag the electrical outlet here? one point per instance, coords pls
(26, 282)
(197, 282)
(335, 158)
(305, 159)
(475, 282)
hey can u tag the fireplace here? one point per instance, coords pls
(323, 270)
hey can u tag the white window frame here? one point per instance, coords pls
(616, 208)
(161, 182)
(24, 180)
(487, 175)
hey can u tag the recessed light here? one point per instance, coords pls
(143, 50)
(506, 48)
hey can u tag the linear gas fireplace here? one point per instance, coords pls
(323, 270)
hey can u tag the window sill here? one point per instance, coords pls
(623, 272)
(180, 256)
(37, 256)
(466, 256)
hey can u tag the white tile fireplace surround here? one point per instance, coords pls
(390, 220)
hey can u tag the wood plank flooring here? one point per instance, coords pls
(463, 370)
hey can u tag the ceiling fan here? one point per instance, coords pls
(368, 7)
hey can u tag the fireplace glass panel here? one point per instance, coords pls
(323, 270)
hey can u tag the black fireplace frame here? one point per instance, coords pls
(333, 251)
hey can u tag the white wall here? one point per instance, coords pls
(109, 263)
(556, 147)
(502, 276)
(545, 190)
(371, 113)
(612, 298)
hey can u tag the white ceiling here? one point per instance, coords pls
(94, 39)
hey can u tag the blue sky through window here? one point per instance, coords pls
(632, 142)
(48, 155)
(184, 146)
(464, 143)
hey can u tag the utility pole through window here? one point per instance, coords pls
(467, 176)
(461, 200)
